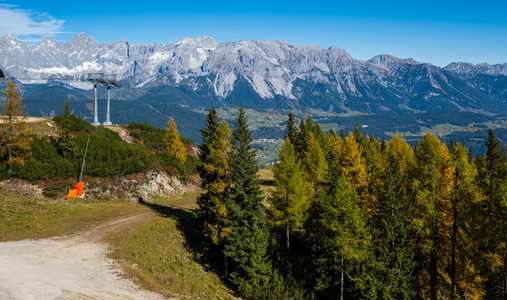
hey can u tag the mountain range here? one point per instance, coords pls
(199, 72)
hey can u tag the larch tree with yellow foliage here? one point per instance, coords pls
(174, 145)
(314, 161)
(403, 153)
(350, 162)
(433, 215)
(14, 134)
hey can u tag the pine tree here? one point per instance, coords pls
(390, 274)
(246, 243)
(433, 215)
(340, 238)
(173, 142)
(492, 179)
(14, 134)
(289, 200)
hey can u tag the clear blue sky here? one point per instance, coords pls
(438, 32)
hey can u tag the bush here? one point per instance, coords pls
(73, 123)
(151, 136)
(51, 191)
(107, 155)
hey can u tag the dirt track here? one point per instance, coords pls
(74, 267)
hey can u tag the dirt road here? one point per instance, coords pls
(74, 267)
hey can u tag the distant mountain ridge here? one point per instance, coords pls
(199, 72)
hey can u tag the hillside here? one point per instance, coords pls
(99, 226)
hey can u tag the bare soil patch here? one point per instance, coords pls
(73, 267)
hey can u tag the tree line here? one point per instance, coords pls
(354, 217)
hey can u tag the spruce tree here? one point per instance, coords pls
(321, 138)
(66, 144)
(208, 133)
(466, 281)
(390, 271)
(215, 174)
(302, 144)
(246, 243)
(14, 134)
(292, 131)
(492, 179)
(357, 133)
(338, 231)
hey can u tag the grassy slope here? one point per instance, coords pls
(158, 253)
(158, 245)
(26, 218)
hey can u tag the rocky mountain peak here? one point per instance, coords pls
(83, 40)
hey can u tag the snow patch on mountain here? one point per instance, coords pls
(270, 67)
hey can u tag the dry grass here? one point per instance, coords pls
(24, 218)
(267, 179)
(159, 254)
(46, 127)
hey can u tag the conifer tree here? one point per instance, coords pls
(216, 180)
(403, 153)
(208, 133)
(289, 200)
(315, 163)
(246, 243)
(292, 131)
(66, 144)
(350, 163)
(466, 282)
(492, 179)
(390, 274)
(357, 133)
(321, 138)
(173, 141)
(375, 163)
(14, 134)
(433, 217)
(339, 236)
(302, 145)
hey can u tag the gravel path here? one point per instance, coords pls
(74, 267)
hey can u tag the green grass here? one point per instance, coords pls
(153, 251)
(24, 217)
(162, 252)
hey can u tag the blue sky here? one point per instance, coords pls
(438, 32)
